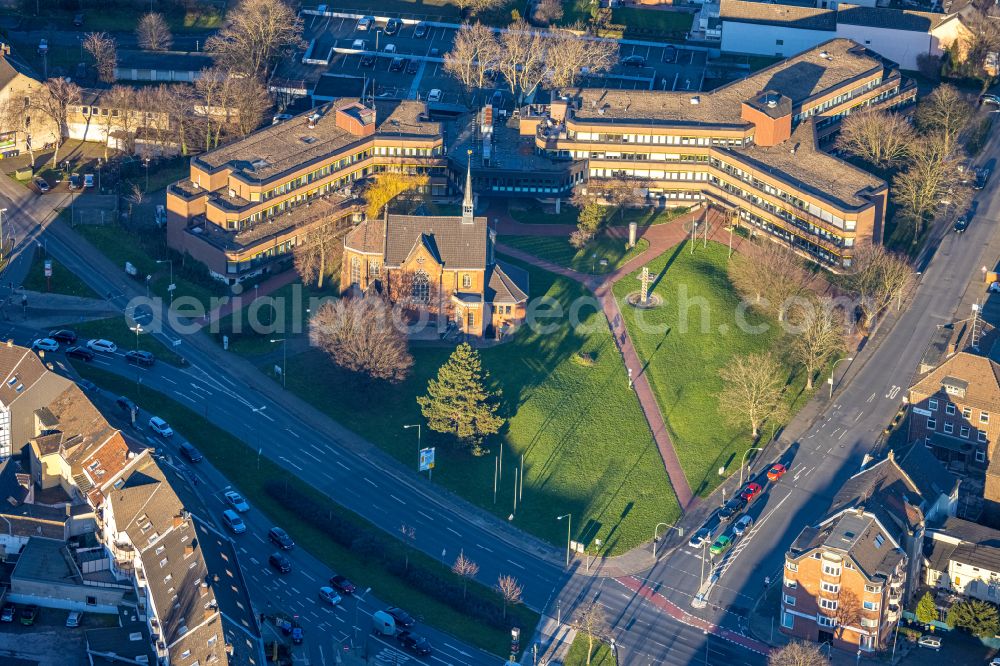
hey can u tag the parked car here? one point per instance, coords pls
(731, 508)
(78, 20)
(497, 99)
(982, 177)
(8, 613)
(397, 65)
(28, 615)
(141, 358)
(751, 492)
(75, 182)
(670, 54)
(383, 624)
(368, 60)
(280, 117)
(420, 31)
(392, 26)
(43, 47)
(81, 353)
(74, 618)
(359, 44)
(401, 617)
(42, 185)
(191, 453)
(928, 641)
(100, 345)
(962, 223)
(700, 537)
(366, 22)
(160, 427)
(988, 98)
(412, 67)
(63, 335)
(280, 538)
(45, 344)
(125, 404)
(280, 562)
(434, 95)
(416, 644)
(233, 522)
(88, 180)
(742, 525)
(721, 545)
(341, 584)
(329, 595)
(87, 385)
(634, 61)
(236, 501)
(390, 48)
(776, 472)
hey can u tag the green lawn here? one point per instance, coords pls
(586, 445)
(63, 281)
(120, 19)
(116, 329)
(533, 213)
(645, 217)
(685, 353)
(577, 656)
(577, 10)
(652, 23)
(230, 455)
(558, 250)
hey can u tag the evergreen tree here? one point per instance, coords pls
(458, 401)
(977, 617)
(926, 611)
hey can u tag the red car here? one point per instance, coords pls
(776, 472)
(751, 492)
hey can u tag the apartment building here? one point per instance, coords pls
(751, 147)
(848, 578)
(246, 205)
(962, 557)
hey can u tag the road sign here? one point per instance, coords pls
(426, 459)
(48, 268)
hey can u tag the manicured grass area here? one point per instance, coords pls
(63, 281)
(230, 455)
(652, 23)
(120, 19)
(116, 329)
(577, 656)
(577, 11)
(684, 348)
(533, 213)
(586, 445)
(586, 260)
(645, 217)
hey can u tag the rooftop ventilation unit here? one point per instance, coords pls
(313, 119)
(696, 100)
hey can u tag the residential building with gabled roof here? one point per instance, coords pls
(962, 557)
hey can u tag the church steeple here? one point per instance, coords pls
(468, 210)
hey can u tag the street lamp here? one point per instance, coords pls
(680, 532)
(98, 174)
(145, 163)
(2, 246)
(284, 358)
(830, 380)
(170, 287)
(744, 460)
(569, 524)
(358, 598)
(417, 426)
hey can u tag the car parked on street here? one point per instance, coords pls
(329, 595)
(699, 538)
(141, 358)
(411, 642)
(930, 642)
(81, 353)
(732, 508)
(751, 492)
(42, 186)
(341, 584)
(280, 538)
(75, 181)
(235, 500)
(160, 427)
(233, 522)
(63, 335)
(743, 525)
(776, 472)
(962, 223)
(401, 617)
(88, 180)
(280, 562)
(721, 545)
(101, 345)
(126, 405)
(191, 453)
(434, 95)
(982, 177)
(45, 344)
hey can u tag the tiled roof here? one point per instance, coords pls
(894, 19)
(856, 534)
(367, 237)
(447, 238)
(508, 284)
(968, 531)
(788, 16)
(980, 373)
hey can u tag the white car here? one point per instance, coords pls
(329, 595)
(100, 345)
(390, 48)
(366, 22)
(45, 344)
(928, 641)
(236, 501)
(359, 45)
(74, 618)
(434, 95)
(161, 427)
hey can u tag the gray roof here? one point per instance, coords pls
(927, 473)
(47, 561)
(128, 642)
(970, 532)
(894, 19)
(178, 61)
(451, 242)
(788, 16)
(854, 534)
(507, 284)
(938, 554)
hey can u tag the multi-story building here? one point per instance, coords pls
(962, 557)
(750, 147)
(848, 578)
(246, 205)
(444, 265)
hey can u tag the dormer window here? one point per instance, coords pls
(954, 386)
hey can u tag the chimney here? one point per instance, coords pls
(188, 550)
(204, 589)
(10, 343)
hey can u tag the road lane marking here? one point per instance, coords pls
(371, 482)
(342, 465)
(424, 515)
(488, 550)
(456, 533)
(290, 462)
(306, 453)
(396, 498)
(516, 564)
(293, 433)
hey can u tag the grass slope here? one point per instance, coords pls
(586, 260)
(63, 281)
(586, 445)
(684, 357)
(577, 655)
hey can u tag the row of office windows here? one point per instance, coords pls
(816, 251)
(839, 99)
(662, 139)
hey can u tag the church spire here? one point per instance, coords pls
(468, 210)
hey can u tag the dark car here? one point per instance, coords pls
(63, 335)
(418, 645)
(75, 181)
(143, 359)
(126, 405)
(81, 353)
(368, 60)
(420, 31)
(982, 177)
(8, 614)
(341, 584)
(42, 185)
(732, 507)
(28, 615)
(191, 453)
(962, 223)
(78, 20)
(397, 65)
(412, 67)
(634, 61)
(280, 538)
(392, 26)
(670, 54)
(280, 562)
(497, 100)
(402, 618)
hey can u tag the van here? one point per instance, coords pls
(233, 522)
(383, 624)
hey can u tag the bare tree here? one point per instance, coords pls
(314, 256)
(409, 536)
(155, 121)
(105, 53)
(135, 197)
(510, 590)
(882, 138)
(153, 33)
(177, 102)
(945, 112)
(820, 335)
(754, 390)
(388, 185)
(771, 276)
(257, 32)
(123, 118)
(463, 58)
(569, 54)
(931, 176)
(361, 336)
(548, 12)
(878, 277)
(590, 619)
(798, 653)
(53, 100)
(522, 59)
(252, 100)
(465, 569)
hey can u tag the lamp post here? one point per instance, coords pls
(358, 598)
(832, 370)
(569, 525)
(2, 246)
(680, 531)
(744, 459)
(145, 163)
(138, 329)
(170, 287)
(417, 426)
(99, 174)
(284, 358)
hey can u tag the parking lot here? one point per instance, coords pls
(48, 642)
(338, 46)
